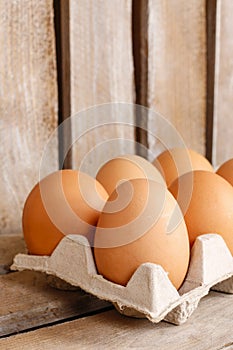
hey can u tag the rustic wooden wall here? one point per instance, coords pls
(159, 53)
(177, 69)
(101, 72)
(28, 101)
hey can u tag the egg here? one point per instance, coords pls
(141, 222)
(226, 171)
(126, 167)
(175, 162)
(64, 202)
(209, 209)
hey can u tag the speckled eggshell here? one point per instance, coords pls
(64, 202)
(175, 162)
(126, 167)
(141, 222)
(210, 206)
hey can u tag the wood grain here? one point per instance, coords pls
(28, 301)
(10, 245)
(101, 72)
(223, 117)
(177, 69)
(28, 101)
(209, 328)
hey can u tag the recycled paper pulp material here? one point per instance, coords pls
(149, 293)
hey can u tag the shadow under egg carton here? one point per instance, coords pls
(149, 293)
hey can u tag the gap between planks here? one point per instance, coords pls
(27, 299)
(140, 57)
(210, 68)
(62, 31)
(210, 327)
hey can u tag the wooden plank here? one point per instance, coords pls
(10, 245)
(209, 328)
(223, 117)
(28, 301)
(177, 69)
(101, 72)
(28, 101)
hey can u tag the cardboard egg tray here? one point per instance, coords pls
(149, 293)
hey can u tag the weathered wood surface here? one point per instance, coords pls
(28, 101)
(209, 328)
(10, 245)
(28, 301)
(223, 116)
(177, 69)
(101, 72)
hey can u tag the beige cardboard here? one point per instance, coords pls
(149, 293)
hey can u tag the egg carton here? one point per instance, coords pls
(149, 293)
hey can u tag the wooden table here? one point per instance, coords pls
(36, 316)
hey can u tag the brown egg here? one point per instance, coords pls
(226, 171)
(175, 162)
(141, 222)
(65, 202)
(126, 167)
(210, 206)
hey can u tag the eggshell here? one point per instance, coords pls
(126, 167)
(210, 206)
(141, 222)
(64, 202)
(175, 162)
(226, 171)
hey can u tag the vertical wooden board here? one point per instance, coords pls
(101, 72)
(223, 117)
(177, 70)
(28, 101)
